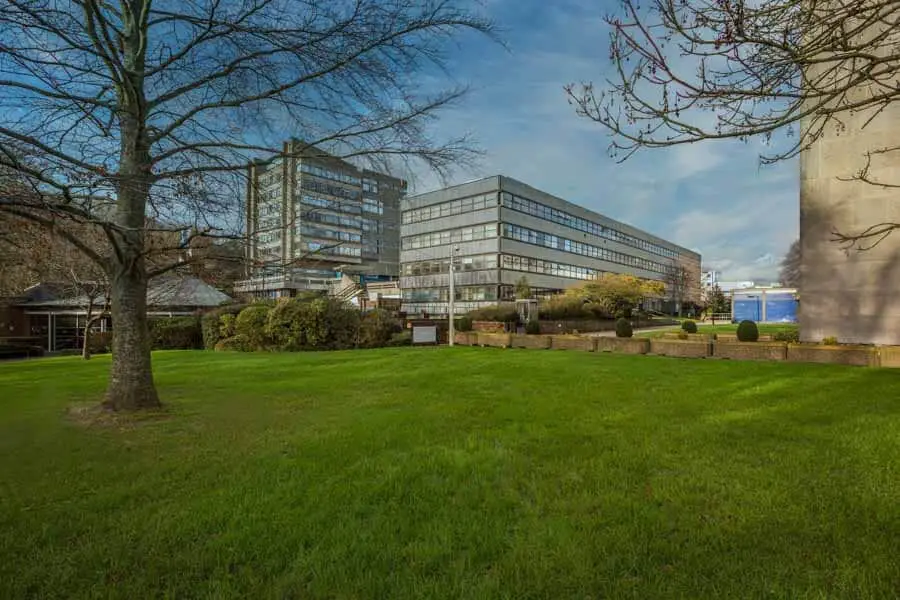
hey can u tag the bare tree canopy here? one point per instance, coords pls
(789, 275)
(116, 111)
(788, 71)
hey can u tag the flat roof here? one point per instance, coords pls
(500, 179)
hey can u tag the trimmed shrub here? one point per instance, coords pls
(251, 324)
(624, 329)
(792, 337)
(626, 313)
(404, 338)
(237, 343)
(176, 333)
(464, 323)
(329, 324)
(689, 326)
(747, 331)
(212, 324)
(284, 324)
(830, 341)
(501, 313)
(376, 328)
(563, 307)
(533, 327)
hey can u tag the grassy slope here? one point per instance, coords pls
(417, 473)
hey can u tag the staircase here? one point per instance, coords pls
(347, 288)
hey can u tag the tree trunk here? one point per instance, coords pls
(131, 377)
(86, 338)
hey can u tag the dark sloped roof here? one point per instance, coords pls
(161, 292)
(184, 291)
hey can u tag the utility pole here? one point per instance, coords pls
(451, 309)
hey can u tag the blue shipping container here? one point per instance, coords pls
(748, 308)
(781, 308)
(768, 307)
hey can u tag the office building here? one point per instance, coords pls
(312, 218)
(501, 230)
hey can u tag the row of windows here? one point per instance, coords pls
(454, 207)
(472, 293)
(269, 223)
(370, 186)
(539, 238)
(326, 173)
(328, 234)
(547, 267)
(478, 262)
(547, 213)
(336, 205)
(267, 209)
(326, 188)
(436, 308)
(324, 248)
(373, 206)
(270, 236)
(272, 175)
(371, 225)
(438, 238)
(330, 219)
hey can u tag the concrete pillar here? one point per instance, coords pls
(851, 295)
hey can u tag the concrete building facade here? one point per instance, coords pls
(851, 294)
(311, 217)
(501, 229)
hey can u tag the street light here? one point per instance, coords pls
(451, 309)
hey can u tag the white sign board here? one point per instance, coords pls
(424, 334)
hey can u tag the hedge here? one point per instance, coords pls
(176, 333)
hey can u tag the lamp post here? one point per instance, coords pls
(451, 309)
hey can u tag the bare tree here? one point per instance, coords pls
(790, 266)
(680, 285)
(41, 255)
(692, 70)
(121, 110)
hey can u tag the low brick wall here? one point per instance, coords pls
(466, 338)
(889, 356)
(539, 342)
(564, 342)
(860, 356)
(495, 340)
(488, 326)
(750, 350)
(680, 348)
(694, 337)
(623, 345)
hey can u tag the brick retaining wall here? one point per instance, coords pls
(750, 350)
(565, 342)
(680, 348)
(861, 356)
(623, 345)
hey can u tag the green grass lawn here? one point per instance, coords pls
(453, 473)
(764, 329)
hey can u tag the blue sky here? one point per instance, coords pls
(712, 197)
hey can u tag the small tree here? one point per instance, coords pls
(615, 293)
(523, 288)
(718, 303)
